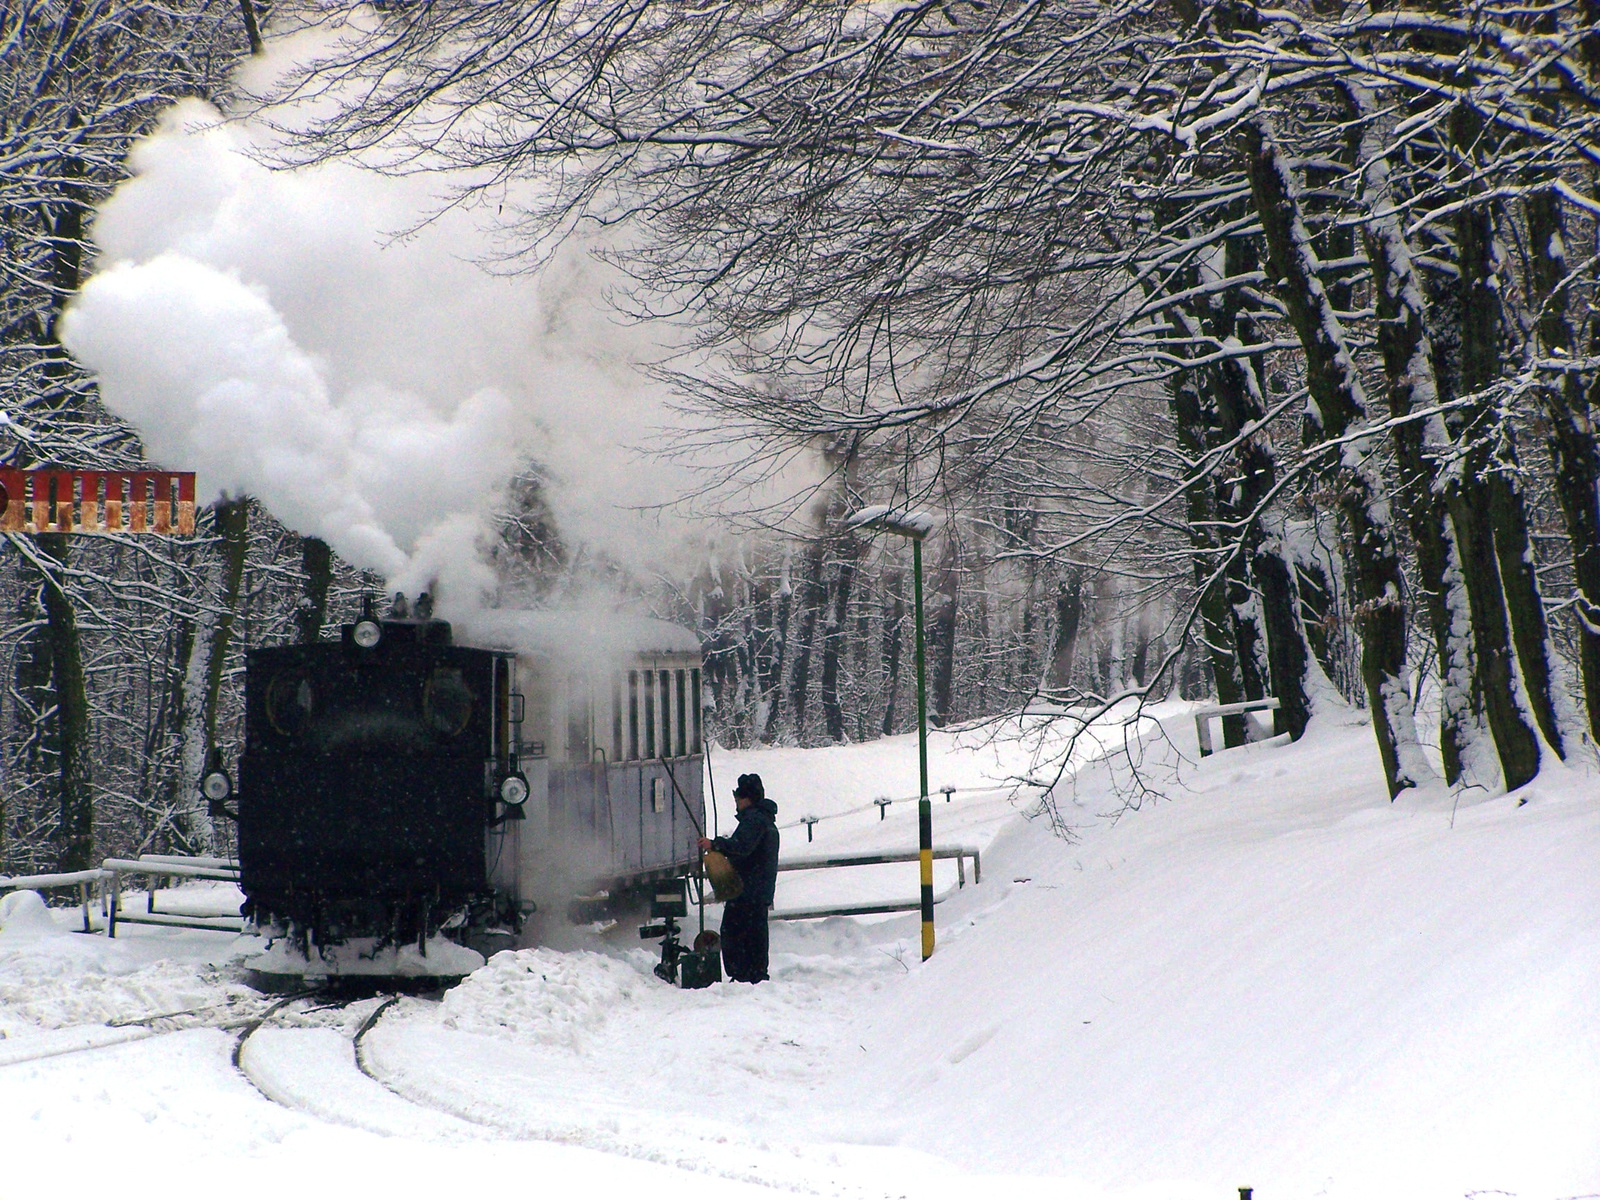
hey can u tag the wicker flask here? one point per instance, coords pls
(725, 881)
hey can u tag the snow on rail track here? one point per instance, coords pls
(325, 1074)
(80, 1039)
(318, 1071)
(497, 1087)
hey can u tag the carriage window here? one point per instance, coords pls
(683, 713)
(289, 703)
(633, 714)
(696, 702)
(617, 747)
(665, 678)
(577, 718)
(447, 701)
(649, 682)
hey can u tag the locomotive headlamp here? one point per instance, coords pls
(514, 790)
(216, 786)
(366, 634)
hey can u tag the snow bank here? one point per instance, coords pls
(1276, 979)
(24, 914)
(542, 997)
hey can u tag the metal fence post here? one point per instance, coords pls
(924, 809)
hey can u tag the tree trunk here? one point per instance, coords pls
(1408, 353)
(1270, 620)
(34, 742)
(945, 603)
(194, 818)
(1573, 449)
(1068, 616)
(1317, 612)
(1287, 655)
(75, 831)
(1218, 633)
(202, 686)
(1372, 562)
(811, 599)
(1530, 632)
(1489, 464)
(252, 29)
(1027, 679)
(893, 622)
(833, 637)
(785, 608)
(1246, 620)
(233, 524)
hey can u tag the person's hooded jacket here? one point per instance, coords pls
(753, 851)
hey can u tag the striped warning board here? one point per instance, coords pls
(49, 501)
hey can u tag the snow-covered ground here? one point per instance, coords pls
(1266, 975)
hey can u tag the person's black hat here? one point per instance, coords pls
(750, 787)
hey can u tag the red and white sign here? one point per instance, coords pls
(50, 501)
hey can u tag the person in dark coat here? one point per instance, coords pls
(753, 851)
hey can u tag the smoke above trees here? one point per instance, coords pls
(327, 341)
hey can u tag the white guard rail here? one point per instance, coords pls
(1203, 716)
(164, 866)
(79, 879)
(824, 862)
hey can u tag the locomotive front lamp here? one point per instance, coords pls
(366, 634)
(914, 526)
(514, 790)
(216, 786)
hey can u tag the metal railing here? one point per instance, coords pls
(164, 866)
(79, 879)
(1203, 716)
(825, 862)
(106, 879)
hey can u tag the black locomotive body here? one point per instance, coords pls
(398, 815)
(368, 777)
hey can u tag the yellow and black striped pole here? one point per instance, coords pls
(880, 518)
(924, 808)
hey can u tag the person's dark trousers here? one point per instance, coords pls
(744, 942)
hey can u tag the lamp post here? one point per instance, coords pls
(915, 526)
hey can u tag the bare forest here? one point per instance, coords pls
(1236, 351)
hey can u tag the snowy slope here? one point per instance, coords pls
(1266, 976)
(1279, 980)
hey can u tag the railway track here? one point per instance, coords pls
(322, 1073)
(83, 1039)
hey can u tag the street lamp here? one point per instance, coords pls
(880, 518)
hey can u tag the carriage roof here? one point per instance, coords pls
(574, 634)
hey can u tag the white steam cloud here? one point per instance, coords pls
(266, 330)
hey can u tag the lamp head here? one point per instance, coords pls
(880, 518)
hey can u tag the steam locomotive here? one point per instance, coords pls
(406, 801)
